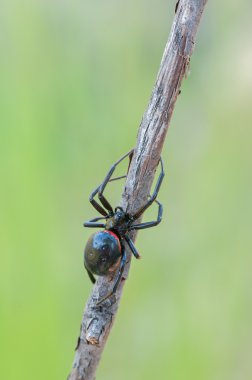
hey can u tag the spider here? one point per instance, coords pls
(105, 250)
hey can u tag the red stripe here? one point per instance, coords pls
(115, 236)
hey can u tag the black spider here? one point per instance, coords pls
(105, 250)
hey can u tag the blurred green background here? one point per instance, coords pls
(76, 77)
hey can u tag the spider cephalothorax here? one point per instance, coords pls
(105, 250)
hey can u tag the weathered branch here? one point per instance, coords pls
(97, 321)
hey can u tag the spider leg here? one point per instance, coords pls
(132, 247)
(90, 275)
(154, 223)
(118, 276)
(95, 204)
(101, 189)
(153, 196)
(115, 179)
(92, 223)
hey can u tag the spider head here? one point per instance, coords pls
(117, 220)
(119, 215)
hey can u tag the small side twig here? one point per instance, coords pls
(97, 321)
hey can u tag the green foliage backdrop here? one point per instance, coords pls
(75, 79)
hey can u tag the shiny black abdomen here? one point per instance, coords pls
(102, 252)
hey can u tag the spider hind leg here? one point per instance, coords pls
(117, 277)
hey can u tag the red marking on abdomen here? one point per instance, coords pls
(115, 236)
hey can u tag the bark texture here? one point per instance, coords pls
(97, 321)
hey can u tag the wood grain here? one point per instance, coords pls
(97, 321)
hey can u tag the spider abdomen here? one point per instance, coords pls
(102, 251)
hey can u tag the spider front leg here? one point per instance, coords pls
(100, 189)
(153, 196)
(118, 276)
(154, 223)
(101, 197)
(95, 204)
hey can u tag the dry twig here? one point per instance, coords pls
(97, 321)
